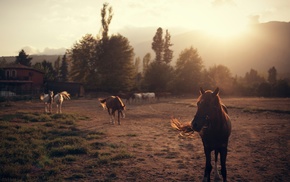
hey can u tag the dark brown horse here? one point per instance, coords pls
(113, 103)
(213, 124)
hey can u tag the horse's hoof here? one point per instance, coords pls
(217, 179)
(205, 179)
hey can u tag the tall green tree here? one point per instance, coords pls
(64, 69)
(117, 64)
(107, 15)
(188, 71)
(82, 57)
(157, 77)
(220, 76)
(159, 73)
(157, 45)
(23, 59)
(56, 66)
(146, 62)
(252, 78)
(272, 77)
(167, 52)
(48, 70)
(137, 64)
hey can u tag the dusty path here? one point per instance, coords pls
(258, 147)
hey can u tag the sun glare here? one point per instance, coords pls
(225, 30)
(226, 24)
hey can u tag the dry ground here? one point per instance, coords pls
(258, 147)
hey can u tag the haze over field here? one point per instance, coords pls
(219, 29)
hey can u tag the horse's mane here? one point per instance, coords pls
(221, 114)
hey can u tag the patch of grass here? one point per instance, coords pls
(34, 151)
(114, 146)
(94, 135)
(137, 145)
(76, 176)
(108, 158)
(68, 150)
(121, 155)
(171, 155)
(104, 159)
(98, 145)
(27, 117)
(27, 146)
(131, 135)
(68, 119)
(257, 110)
(21, 149)
(36, 117)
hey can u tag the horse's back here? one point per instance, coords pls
(113, 102)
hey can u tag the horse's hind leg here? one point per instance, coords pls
(45, 107)
(216, 173)
(49, 107)
(60, 105)
(119, 121)
(113, 117)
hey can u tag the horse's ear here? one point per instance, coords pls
(216, 91)
(201, 91)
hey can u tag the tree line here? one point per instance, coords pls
(106, 63)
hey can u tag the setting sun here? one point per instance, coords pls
(225, 22)
(226, 30)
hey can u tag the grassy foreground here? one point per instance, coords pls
(40, 147)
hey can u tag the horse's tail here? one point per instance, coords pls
(183, 128)
(65, 95)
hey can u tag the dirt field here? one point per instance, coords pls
(258, 147)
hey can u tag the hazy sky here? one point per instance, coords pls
(44, 25)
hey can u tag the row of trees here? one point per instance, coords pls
(106, 63)
(57, 72)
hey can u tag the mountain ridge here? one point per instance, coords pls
(265, 45)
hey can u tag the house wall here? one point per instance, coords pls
(22, 80)
(24, 75)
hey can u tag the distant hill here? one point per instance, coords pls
(263, 46)
(35, 58)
